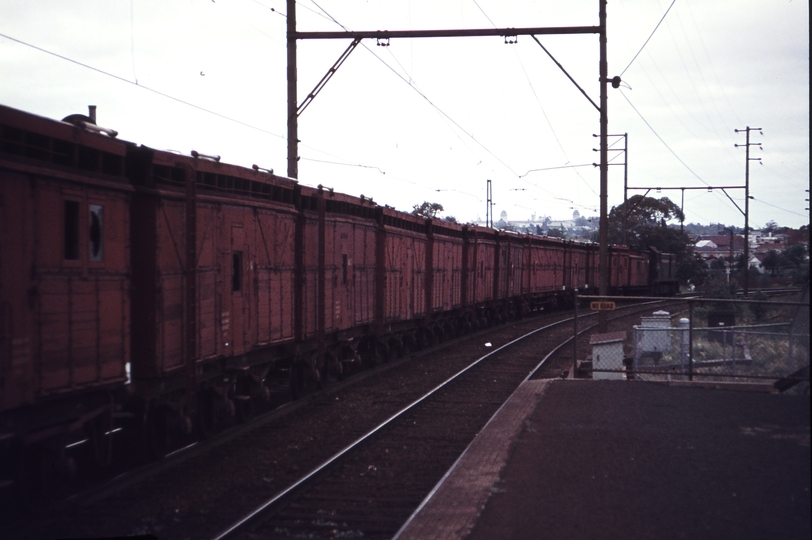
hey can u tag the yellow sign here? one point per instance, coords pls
(602, 306)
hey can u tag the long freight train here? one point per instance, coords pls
(143, 286)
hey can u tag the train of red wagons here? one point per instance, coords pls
(143, 287)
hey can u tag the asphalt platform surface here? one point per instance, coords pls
(629, 459)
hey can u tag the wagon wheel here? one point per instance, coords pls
(206, 414)
(244, 407)
(406, 348)
(297, 380)
(243, 399)
(101, 441)
(333, 366)
(383, 352)
(439, 334)
(370, 357)
(395, 349)
(158, 431)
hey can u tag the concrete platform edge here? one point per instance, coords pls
(453, 506)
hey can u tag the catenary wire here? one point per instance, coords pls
(184, 102)
(424, 96)
(147, 88)
(543, 112)
(649, 37)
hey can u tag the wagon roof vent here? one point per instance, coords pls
(210, 157)
(89, 122)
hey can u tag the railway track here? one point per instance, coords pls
(246, 464)
(371, 487)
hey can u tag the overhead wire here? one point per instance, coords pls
(661, 139)
(184, 102)
(780, 208)
(649, 37)
(360, 165)
(543, 112)
(668, 147)
(485, 14)
(136, 84)
(411, 84)
(690, 79)
(713, 69)
(549, 123)
(678, 96)
(410, 81)
(273, 10)
(132, 39)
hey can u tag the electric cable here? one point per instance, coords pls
(411, 84)
(649, 37)
(147, 88)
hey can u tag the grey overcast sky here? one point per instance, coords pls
(433, 119)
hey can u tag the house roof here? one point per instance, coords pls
(723, 240)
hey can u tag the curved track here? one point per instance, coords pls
(372, 486)
(202, 490)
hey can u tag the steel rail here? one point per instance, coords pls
(529, 376)
(304, 481)
(302, 484)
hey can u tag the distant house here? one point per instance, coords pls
(543, 224)
(718, 246)
(797, 237)
(757, 261)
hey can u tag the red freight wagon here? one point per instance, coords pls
(218, 241)
(546, 265)
(618, 268)
(510, 266)
(404, 267)
(350, 232)
(309, 263)
(338, 243)
(481, 264)
(638, 270)
(445, 269)
(64, 274)
(593, 277)
(446, 266)
(578, 265)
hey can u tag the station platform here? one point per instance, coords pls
(574, 459)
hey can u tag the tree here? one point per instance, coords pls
(427, 209)
(771, 227)
(772, 262)
(646, 222)
(693, 267)
(641, 214)
(794, 254)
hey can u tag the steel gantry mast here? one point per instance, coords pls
(383, 37)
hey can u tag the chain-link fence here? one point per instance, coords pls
(764, 341)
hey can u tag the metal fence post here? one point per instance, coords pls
(575, 338)
(733, 354)
(691, 340)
